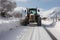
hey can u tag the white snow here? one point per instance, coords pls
(44, 35)
(25, 32)
(14, 34)
(51, 12)
(47, 22)
(55, 30)
(7, 24)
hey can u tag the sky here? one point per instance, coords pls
(45, 4)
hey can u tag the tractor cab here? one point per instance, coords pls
(32, 11)
(31, 14)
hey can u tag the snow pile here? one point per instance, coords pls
(6, 25)
(52, 12)
(56, 12)
(19, 10)
(47, 22)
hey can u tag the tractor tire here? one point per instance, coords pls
(39, 21)
(25, 22)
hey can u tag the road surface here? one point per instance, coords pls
(27, 33)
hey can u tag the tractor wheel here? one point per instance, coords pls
(39, 21)
(25, 22)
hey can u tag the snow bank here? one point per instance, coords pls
(55, 30)
(47, 22)
(6, 25)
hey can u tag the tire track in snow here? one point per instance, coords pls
(35, 34)
(32, 34)
(38, 33)
(22, 34)
(27, 35)
(50, 34)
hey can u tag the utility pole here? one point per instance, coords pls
(56, 16)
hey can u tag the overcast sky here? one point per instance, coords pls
(45, 4)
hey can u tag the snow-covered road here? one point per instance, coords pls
(30, 32)
(14, 34)
(26, 33)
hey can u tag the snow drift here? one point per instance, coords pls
(52, 12)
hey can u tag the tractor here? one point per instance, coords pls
(32, 16)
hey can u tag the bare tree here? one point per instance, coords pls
(6, 5)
